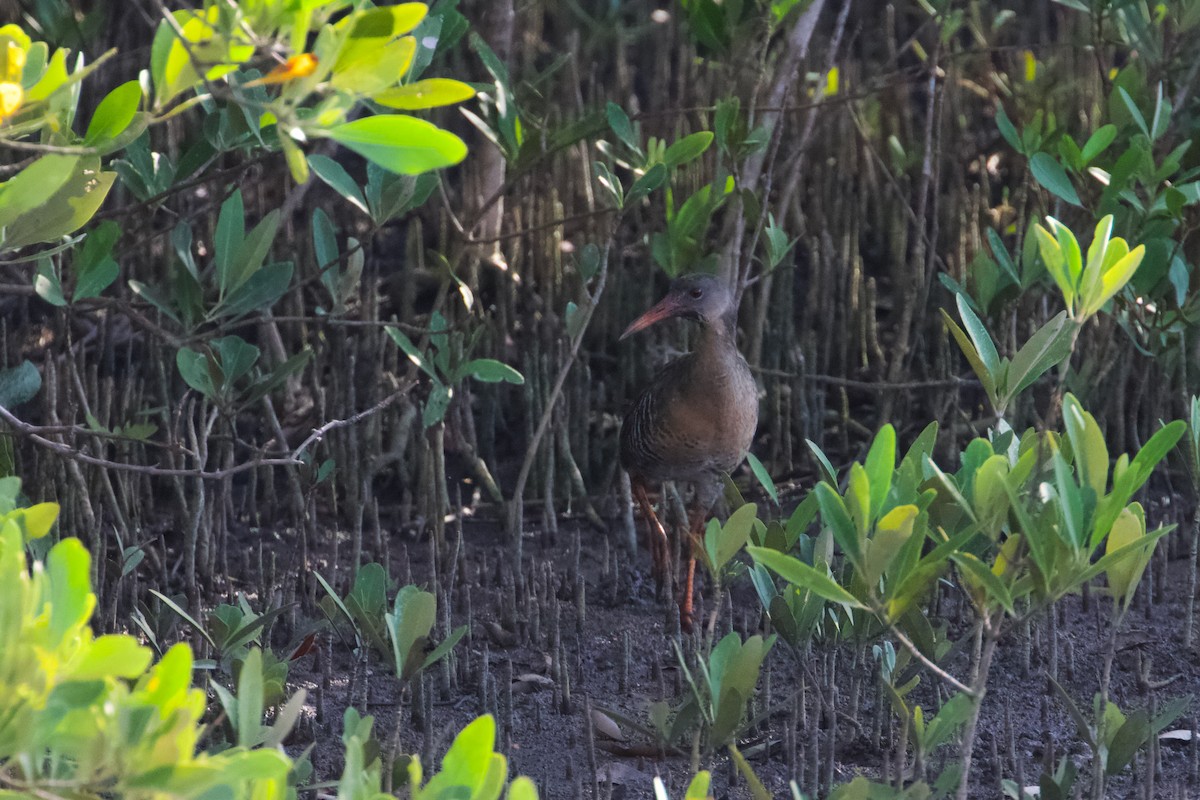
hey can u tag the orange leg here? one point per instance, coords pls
(660, 550)
(695, 529)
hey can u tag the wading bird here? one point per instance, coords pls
(695, 420)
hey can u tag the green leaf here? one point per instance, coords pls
(891, 534)
(1134, 111)
(764, 477)
(253, 251)
(828, 473)
(193, 367)
(996, 591)
(488, 370)
(722, 542)
(235, 355)
(880, 466)
(414, 355)
(335, 175)
(1125, 572)
(51, 197)
(385, 22)
(799, 574)
(1007, 130)
(370, 65)
(428, 93)
(971, 352)
(230, 233)
(114, 113)
(837, 517)
(260, 290)
(94, 266)
(619, 122)
(68, 568)
(1098, 142)
(689, 148)
(48, 284)
(1046, 348)
(114, 655)
(1113, 280)
(400, 143)
(250, 700)
(1000, 253)
(436, 654)
(19, 384)
(647, 183)
(440, 396)
(1087, 443)
(1127, 740)
(1050, 174)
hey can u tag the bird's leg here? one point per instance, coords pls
(698, 518)
(660, 552)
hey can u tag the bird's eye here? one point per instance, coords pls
(697, 293)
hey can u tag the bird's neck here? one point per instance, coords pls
(716, 348)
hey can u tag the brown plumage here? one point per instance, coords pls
(696, 419)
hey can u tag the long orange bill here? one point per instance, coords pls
(667, 307)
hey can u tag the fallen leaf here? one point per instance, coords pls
(605, 726)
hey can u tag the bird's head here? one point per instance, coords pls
(703, 298)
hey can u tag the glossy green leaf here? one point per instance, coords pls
(227, 241)
(253, 251)
(193, 367)
(488, 370)
(1050, 174)
(1115, 278)
(1087, 443)
(763, 477)
(799, 574)
(399, 143)
(259, 291)
(1048, 347)
(114, 113)
(440, 396)
(880, 466)
(978, 572)
(334, 174)
(971, 352)
(722, 542)
(837, 517)
(619, 122)
(687, 149)
(1134, 112)
(250, 699)
(414, 355)
(653, 178)
(95, 268)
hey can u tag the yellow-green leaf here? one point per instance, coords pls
(401, 144)
(114, 114)
(1116, 277)
(38, 519)
(368, 66)
(428, 93)
(1126, 571)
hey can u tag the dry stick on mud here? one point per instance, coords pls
(34, 433)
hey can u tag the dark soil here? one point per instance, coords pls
(522, 626)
